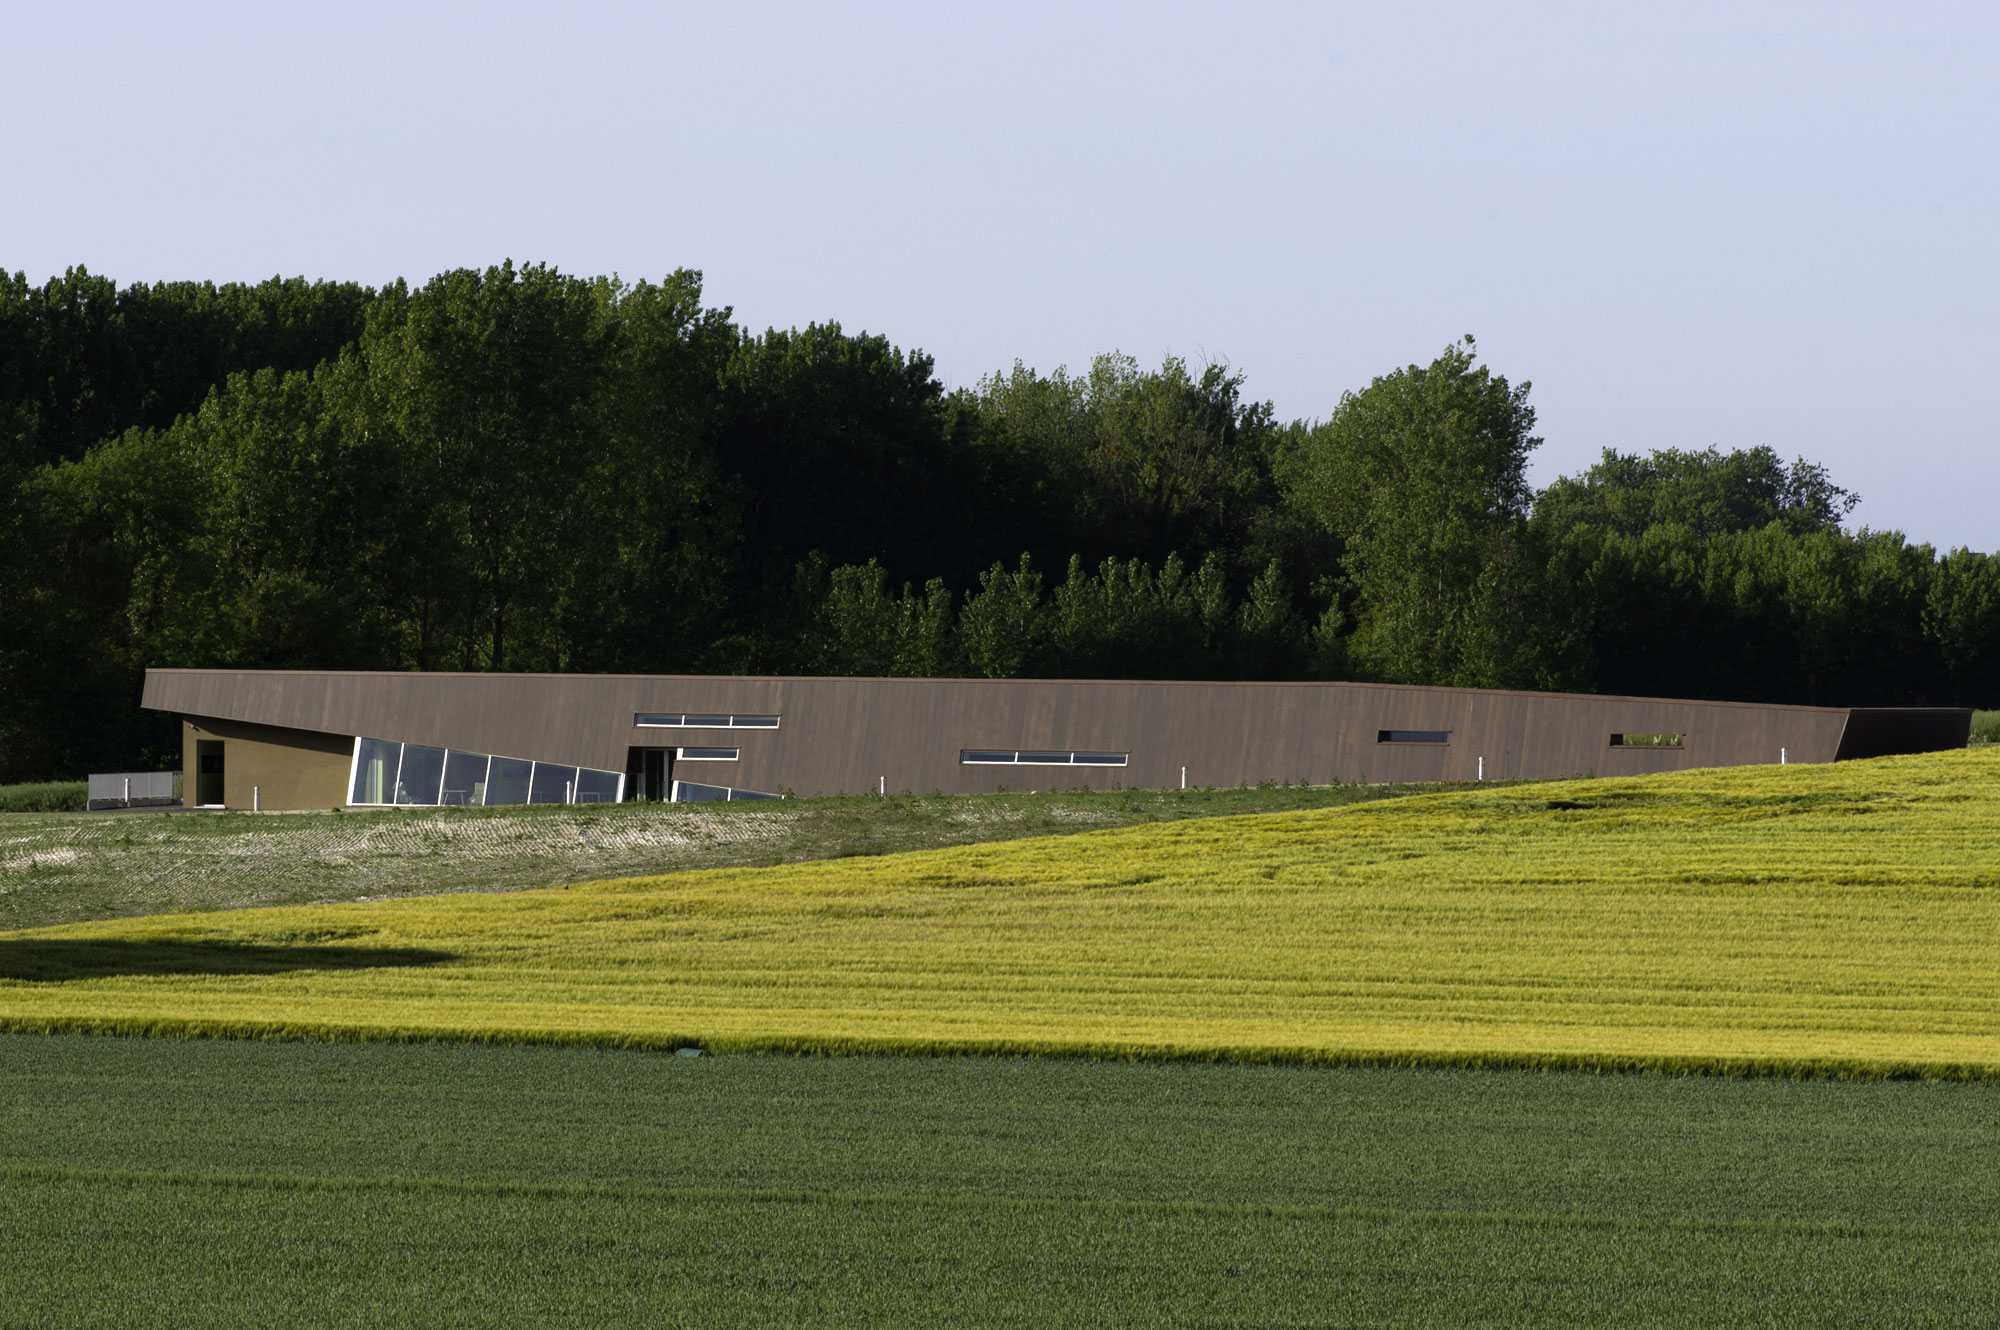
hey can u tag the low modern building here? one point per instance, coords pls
(279, 739)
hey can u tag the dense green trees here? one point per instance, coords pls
(517, 468)
(1423, 475)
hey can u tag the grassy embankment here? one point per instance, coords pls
(103, 866)
(302, 1184)
(1839, 919)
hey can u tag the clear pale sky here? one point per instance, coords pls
(1688, 224)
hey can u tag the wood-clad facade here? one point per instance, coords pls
(850, 736)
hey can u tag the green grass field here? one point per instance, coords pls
(162, 1182)
(51, 796)
(1839, 919)
(102, 866)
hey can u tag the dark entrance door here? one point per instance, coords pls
(649, 770)
(208, 772)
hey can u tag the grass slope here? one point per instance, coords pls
(1838, 919)
(442, 1185)
(104, 866)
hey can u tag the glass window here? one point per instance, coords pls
(374, 771)
(1413, 736)
(596, 787)
(423, 768)
(464, 779)
(507, 782)
(687, 792)
(980, 755)
(713, 720)
(710, 754)
(551, 784)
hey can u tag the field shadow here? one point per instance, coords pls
(40, 960)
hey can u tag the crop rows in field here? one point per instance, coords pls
(344, 1184)
(1832, 919)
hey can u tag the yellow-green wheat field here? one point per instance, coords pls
(1837, 919)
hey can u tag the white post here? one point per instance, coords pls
(883, 790)
(1482, 768)
(1781, 757)
(128, 791)
(256, 798)
(1184, 778)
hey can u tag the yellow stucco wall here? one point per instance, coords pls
(289, 768)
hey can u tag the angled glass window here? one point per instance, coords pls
(1100, 759)
(507, 782)
(690, 792)
(374, 770)
(551, 784)
(709, 754)
(414, 775)
(597, 787)
(423, 768)
(464, 779)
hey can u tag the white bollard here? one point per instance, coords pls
(1482, 768)
(1184, 778)
(1781, 757)
(883, 789)
(128, 791)
(256, 798)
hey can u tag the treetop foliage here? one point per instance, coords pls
(518, 468)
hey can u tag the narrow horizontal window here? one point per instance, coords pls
(1413, 736)
(708, 754)
(1646, 740)
(1038, 758)
(711, 720)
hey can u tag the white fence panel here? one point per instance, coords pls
(134, 789)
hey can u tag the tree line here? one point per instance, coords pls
(522, 469)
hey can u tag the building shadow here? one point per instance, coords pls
(53, 960)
